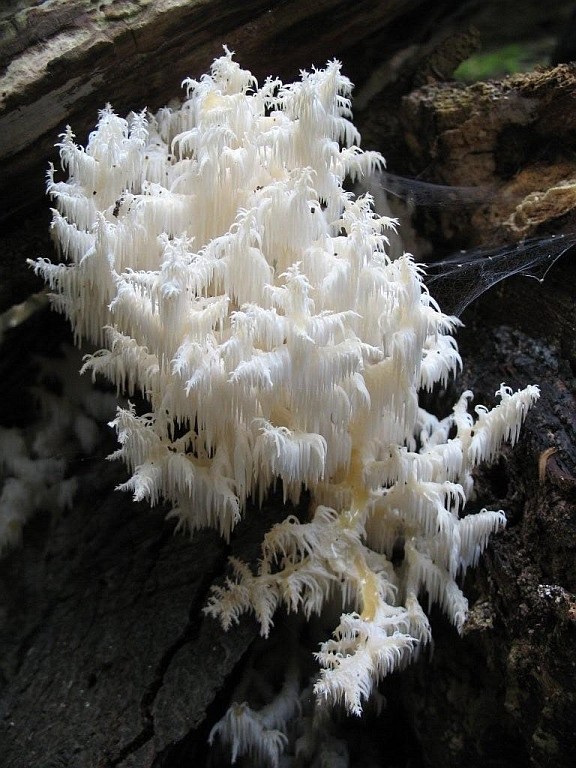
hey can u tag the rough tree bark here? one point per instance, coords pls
(106, 657)
(518, 683)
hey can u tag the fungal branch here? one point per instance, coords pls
(213, 253)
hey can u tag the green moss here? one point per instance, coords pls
(506, 60)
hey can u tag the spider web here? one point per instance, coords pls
(458, 280)
(416, 192)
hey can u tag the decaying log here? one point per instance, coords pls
(107, 659)
(514, 139)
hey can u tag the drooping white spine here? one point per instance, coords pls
(250, 299)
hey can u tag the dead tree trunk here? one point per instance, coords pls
(107, 658)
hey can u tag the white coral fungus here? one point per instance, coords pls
(213, 251)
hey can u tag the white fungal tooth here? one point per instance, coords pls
(213, 252)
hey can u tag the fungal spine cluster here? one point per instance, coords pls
(214, 254)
